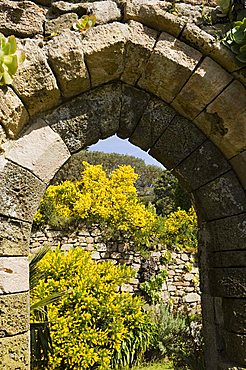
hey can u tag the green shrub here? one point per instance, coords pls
(92, 326)
(179, 338)
(235, 40)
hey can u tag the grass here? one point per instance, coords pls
(156, 366)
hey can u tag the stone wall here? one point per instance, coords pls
(181, 287)
(157, 76)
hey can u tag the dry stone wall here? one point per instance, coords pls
(181, 288)
(157, 76)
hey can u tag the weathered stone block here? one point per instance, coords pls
(169, 67)
(239, 165)
(218, 120)
(64, 22)
(203, 165)
(138, 49)
(14, 274)
(155, 15)
(105, 11)
(228, 282)
(21, 18)
(14, 352)
(240, 75)
(20, 192)
(236, 348)
(208, 45)
(134, 102)
(186, 138)
(228, 259)
(205, 84)
(88, 118)
(156, 118)
(67, 60)
(40, 150)
(192, 297)
(14, 237)
(226, 234)
(103, 48)
(235, 315)
(34, 81)
(13, 114)
(14, 317)
(221, 197)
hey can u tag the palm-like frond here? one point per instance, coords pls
(35, 274)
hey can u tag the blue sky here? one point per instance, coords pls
(116, 145)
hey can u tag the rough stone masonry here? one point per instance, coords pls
(149, 72)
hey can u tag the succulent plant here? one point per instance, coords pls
(225, 6)
(235, 39)
(85, 22)
(10, 58)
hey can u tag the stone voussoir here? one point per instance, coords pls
(169, 67)
(88, 118)
(37, 143)
(156, 118)
(186, 138)
(138, 50)
(134, 102)
(66, 58)
(221, 197)
(217, 121)
(233, 236)
(34, 81)
(205, 84)
(104, 49)
(13, 114)
(203, 165)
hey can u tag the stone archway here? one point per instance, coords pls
(173, 91)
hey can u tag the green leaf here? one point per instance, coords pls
(12, 44)
(242, 57)
(7, 78)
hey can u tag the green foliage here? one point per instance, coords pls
(92, 326)
(41, 345)
(178, 338)
(169, 196)
(235, 40)
(152, 287)
(10, 58)
(225, 5)
(84, 23)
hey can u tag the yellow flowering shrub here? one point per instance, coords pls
(93, 325)
(180, 230)
(110, 201)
